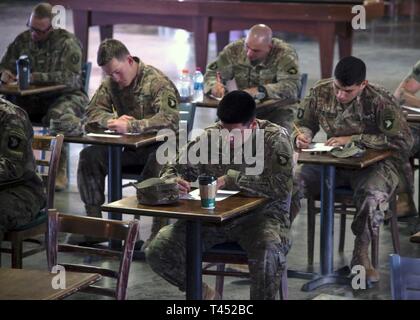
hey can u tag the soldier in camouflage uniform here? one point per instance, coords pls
(349, 109)
(133, 98)
(266, 68)
(264, 233)
(406, 95)
(55, 57)
(21, 190)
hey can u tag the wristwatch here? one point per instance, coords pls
(262, 93)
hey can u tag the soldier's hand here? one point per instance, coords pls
(252, 91)
(183, 185)
(126, 117)
(338, 141)
(303, 141)
(7, 77)
(221, 182)
(218, 90)
(118, 125)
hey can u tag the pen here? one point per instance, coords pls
(218, 77)
(297, 129)
(114, 111)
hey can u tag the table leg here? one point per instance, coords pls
(327, 276)
(114, 184)
(194, 258)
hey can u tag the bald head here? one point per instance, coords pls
(258, 43)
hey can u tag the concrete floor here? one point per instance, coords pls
(389, 48)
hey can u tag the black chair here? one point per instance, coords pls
(405, 277)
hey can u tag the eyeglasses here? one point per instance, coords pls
(32, 29)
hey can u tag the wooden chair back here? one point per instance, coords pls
(126, 231)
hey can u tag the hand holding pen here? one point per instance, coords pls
(218, 89)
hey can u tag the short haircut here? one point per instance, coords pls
(350, 71)
(109, 49)
(236, 107)
(42, 10)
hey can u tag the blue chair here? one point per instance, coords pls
(405, 277)
(86, 70)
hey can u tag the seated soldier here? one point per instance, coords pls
(21, 189)
(55, 57)
(406, 95)
(350, 109)
(263, 233)
(265, 67)
(133, 98)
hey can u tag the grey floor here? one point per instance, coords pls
(389, 48)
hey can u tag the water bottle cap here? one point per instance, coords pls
(185, 71)
(198, 69)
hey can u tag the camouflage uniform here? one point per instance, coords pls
(152, 100)
(415, 127)
(372, 119)
(264, 233)
(21, 190)
(279, 74)
(58, 60)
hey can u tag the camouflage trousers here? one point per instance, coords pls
(93, 168)
(43, 108)
(265, 239)
(373, 187)
(282, 115)
(19, 206)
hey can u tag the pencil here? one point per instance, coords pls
(218, 77)
(114, 111)
(297, 129)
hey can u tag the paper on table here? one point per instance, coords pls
(221, 195)
(214, 97)
(126, 134)
(412, 109)
(102, 135)
(318, 147)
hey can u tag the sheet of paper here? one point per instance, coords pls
(221, 195)
(126, 134)
(231, 85)
(411, 109)
(318, 147)
(103, 135)
(214, 97)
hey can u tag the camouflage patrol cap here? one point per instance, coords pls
(351, 149)
(67, 124)
(155, 191)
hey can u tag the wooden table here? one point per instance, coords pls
(329, 164)
(230, 208)
(13, 89)
(26, 284)
(323, 20)
(115, 149)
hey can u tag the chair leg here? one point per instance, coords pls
(311, 229)
(394, 226)
(17, 248)
(342, 232)
(283, 285)
(220, 280)
(375, 250)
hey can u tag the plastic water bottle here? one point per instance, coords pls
(184, 86)
(198, 86)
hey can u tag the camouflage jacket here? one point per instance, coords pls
(17, 163)
(151, 98)
(58, 60)
(279, 73)
(373, 119)
(275, 181)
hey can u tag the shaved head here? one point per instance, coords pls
(258, 43)
(261, 33)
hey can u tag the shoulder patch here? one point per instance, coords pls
(300, 113)
(282, 158)
(292, 71)
(75, 58)
(13, 142)
(171, 102)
